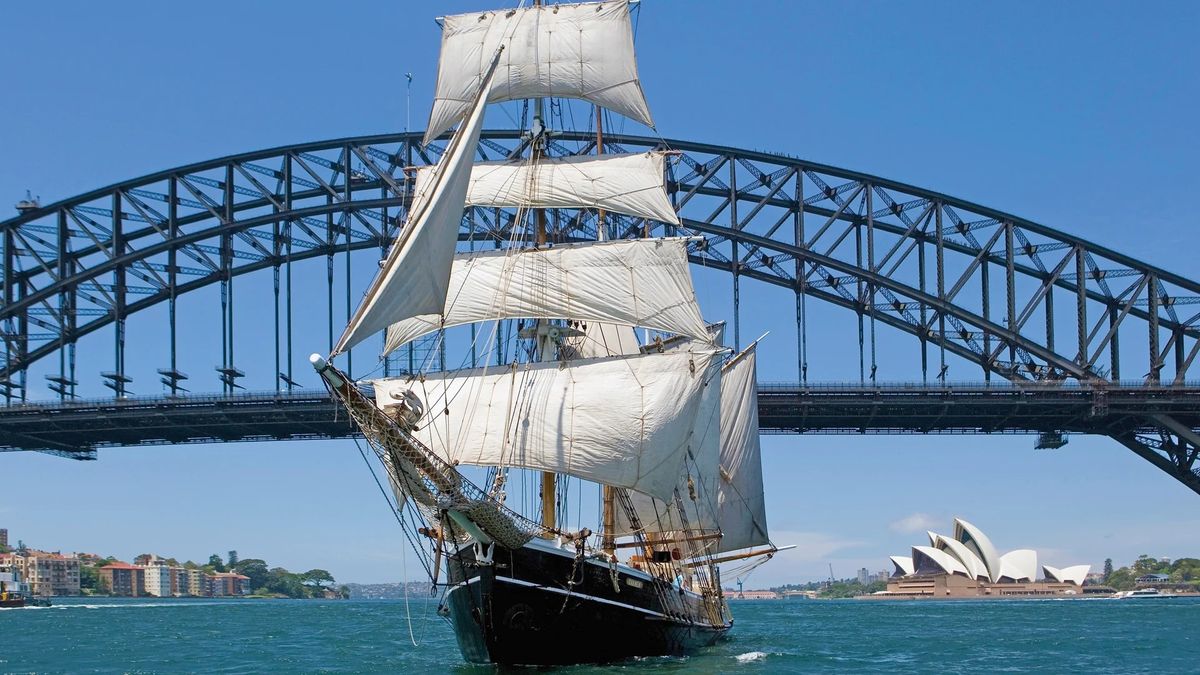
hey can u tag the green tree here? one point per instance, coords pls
(1146, 565)
(256, 569)
(1122, 579)
(286, 583)
(216, 563)
(89, 578)
(1108, 569)
(317, 580)
(233, 560)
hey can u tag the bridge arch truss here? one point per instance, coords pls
(1022, 302)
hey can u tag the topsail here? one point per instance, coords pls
(631, 184)
(640, 282)
(577, 51)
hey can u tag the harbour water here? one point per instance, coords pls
(785, 636)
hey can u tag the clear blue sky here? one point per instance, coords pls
(1079, 115)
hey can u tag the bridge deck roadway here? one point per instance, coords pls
(77, 428)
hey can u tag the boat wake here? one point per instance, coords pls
(751, 657)
(132, 605)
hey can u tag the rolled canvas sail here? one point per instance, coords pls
(741, 510)
(643, 282)
(580, 51)
(625, 421)
(631, 184)
(416, 273)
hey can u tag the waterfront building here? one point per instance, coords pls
(1153, 579)
(754, 595)
(864, 577)
(179, 582)
(968, 565)
(123, 579)
(48, 573)
(228, 584)
(158, 580)
(197, 583)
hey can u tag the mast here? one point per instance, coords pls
(608, 541)
(549, 478)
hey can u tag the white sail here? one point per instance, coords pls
(416, 274)
(734, 488)
(642, 282)
(631, 184)
(716, 336)
(601, 339)
(572, 50)
(625, 421)
(741, 510)
(694, 504)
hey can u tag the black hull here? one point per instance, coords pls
(520, 610)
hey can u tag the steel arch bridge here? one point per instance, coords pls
(1035, 308)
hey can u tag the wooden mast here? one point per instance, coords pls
(608, 542)
(549, 478)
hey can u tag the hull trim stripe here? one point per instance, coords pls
(585, 596)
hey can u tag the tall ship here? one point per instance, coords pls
(574, 490)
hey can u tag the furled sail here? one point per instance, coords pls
(741, 510)
(631, 184)
(642, 282)
(416, 273)
(580, 50)
(624, 421)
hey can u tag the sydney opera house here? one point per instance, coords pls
(968, 565)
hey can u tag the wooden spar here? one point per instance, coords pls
(599, 151)
(731, 558)
(549, 478)
(641, 544)
(437, 556)
(608, 542)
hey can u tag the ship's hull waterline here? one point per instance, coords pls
(520, 609)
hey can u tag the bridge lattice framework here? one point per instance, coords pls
(1017, 300)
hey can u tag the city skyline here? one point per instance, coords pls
(1075, 120)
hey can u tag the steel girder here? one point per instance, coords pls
(1014, 298)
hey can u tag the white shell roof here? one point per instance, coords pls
(1019, 565)
(975, 567)
(904, 565)
(1074, 574)
(977, 541)
(940, 559)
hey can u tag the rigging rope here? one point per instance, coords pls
(403, 553)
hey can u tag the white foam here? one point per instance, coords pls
(750, 657)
